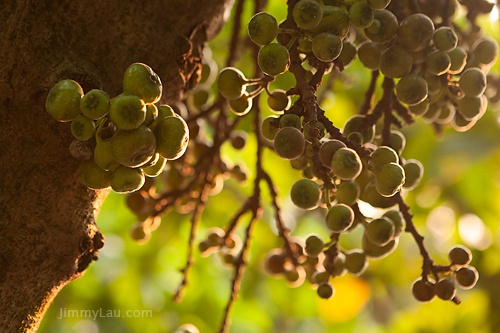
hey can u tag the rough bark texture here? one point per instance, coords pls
(47, 216)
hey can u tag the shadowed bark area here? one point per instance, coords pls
(47, 216)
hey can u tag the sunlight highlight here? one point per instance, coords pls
(473, 232)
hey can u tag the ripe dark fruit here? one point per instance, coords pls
(361, 14)
(275, 262)
(445, 289)
(133, 148)
(380, 231)
(423, 291)
(127, 112)
(124, 179)
(325, 290)
(305, 194)
(231, 83)
(289, 143)
(346, 164)
(172, 137)
(142, 81)
(262, 28)
(327, 150)
(326, 46)
(395, 62)
(460, 255)
(63, 100)
(82, 128)
(415, 32)
(411, 89)
(239, 139)
(307, 13)
(472, 82)
(339, 218)
(274, 59)
(93, 176)
(388, 179)
(466, 277)
(95, 104)
(314, 245)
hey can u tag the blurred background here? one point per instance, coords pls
(457, 202)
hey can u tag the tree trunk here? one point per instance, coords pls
(47, 216)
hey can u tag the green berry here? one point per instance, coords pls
(415, 32)
(380, 231)
(307, 13)
(270, 127)
(397, 141)
(460, 255)
(458, 59)
(438, 62)
(352, 124)
(93, 176)
(125, 180)
(445, 39)
(262, 28)
(290, 120)
(289, 143)
(156, 169)
(314, 245)
(379, 4)
(472, 82)
(369, 54)
(470, 107)
(151, 114)
(133, 148)
(414, 170)
(305, 194)
(163, 112)
(278, 100)
(374, 251)
(242, 105)
(361, 14)
(231, 83)
(397, 220)
(387, 26)
(103, 155)
(371, 195)
(348, 53)
(142, 81)
(335, 20)
(411, 89)
(127, 112)
(63, 100)
(327, 150)
(82, 128)
(383, 155)
(486, 50)
(347, 193)
(339, 218)
(326, 46)
(346, 164)
(466, 277)
(395, 62)
(172, 137)
(274, 59)
(356, 262)
(419, 109)
(326, 290)
(388, 179)
(423, 291)
(95, 104)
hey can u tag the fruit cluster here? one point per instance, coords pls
(133, 137)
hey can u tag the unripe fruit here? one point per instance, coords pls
(339, 268)
(334, 20)
(378, 252)
(339, 218)
(348, 53)
(268, 129)
(278, 100)
(472, 82)
(445, 289)
(379, 4)
(142, 81)
(305, 194)
(290, 120)
(470, 107)
(414, 170)
(320, 277)
(383, 155)
(133, 148)
(380, 231)
(82, 128)
(327, 150)
(419, 109)
(351, 125)
(373, 197)
(326, 46)
(93, 176)
(369, 54)
(124, 179)
(458, 59)
(163, 112)
(274, 59)
(361, 14)
(103, 155)
(208, 72)
(397, 141)
(397, 220)
(438, 62)
(388, 179)
(151, 114)
(307, 13)
(314, 245)
(63, 100)
(411, 89)
(127, 112)
(445, 39)
(486, 50)
(388, 27)
(356, 262)
(289, 143)
(231, 83)
(423, 291)
(466, 277)
(172, 137)
(415, 32)
(95, 104)
(347, 193)
(325, 290)
(460, 255)
(346, 164)
(157, 168)
(262, 28)
(241, 106)
(395, 62)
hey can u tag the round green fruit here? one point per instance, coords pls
(472, 82)
(242, 105)
(415, 32)
(314, 245)
(262, 28)
(289, 143)
(95, 104)
(382, 156)
(307, 13)
(369, 54)
(412, 89)
(305, 194)
(172, 137)
(63, 100)
(346, 164)
(125, 180)
(93, 176)
(387, 26)
(326, 46)
(82, 128)
(328, 149)
(142, 81)
(361, 14)
(388, 179)
(397, 220)
(127, 112)
(339, 218)
(231, 83)
(380, 231)
(395, 62)
(133, 148)
(356, 262)
(445, 39)
(274, 59)
(278, 100)
(414, 170)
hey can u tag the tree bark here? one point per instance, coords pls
(47, 216)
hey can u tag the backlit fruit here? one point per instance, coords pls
(379, 4)
(262, 28)
(326, 46)
(369, 54)
(142, 81)
(438, 62)
(241, 106)
(327, 150)
(370, 195)
(137, 202)
(163, 112)
(295, 276)
(446, 115)
(314, 245)
(361, 14)
(414, 170)
(157, 168)
(95, 104)
(63, 100)
(133, 148)
(305, 194)
(334, 20)
(348, 53)
(352, 124)
(466, 277)
(269, 129)
(383, 155)
(445, 39)
(278, 100)
(458, 59)
(411, 89)
(356, 262)
(82, 128)
(419, 109)
(238, 139)
(187, 328)
(127, 112)
(470, 107)
(339, 218)
(472, 82)
(388, 179)
(376, 251)
(380, 231)
(387, 27)
(326, 290)
(346, 164)
(151, 114)
(311, 132)
(395, 62)
(307, 13)
(415, 32)
(347, 193)
(290, 120)
(140, 233)
(275, 262)
(93, 176)
(339, 268)
(125, 180)
(231, 83)
(397, 141)
(423, 291)
(103, 155)
(320, 277)
(274, 59)
(172, 137)
(486, 50)
(397, 220)
(445, 289)
(289, 143)
(208, 71)
(460, 255)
